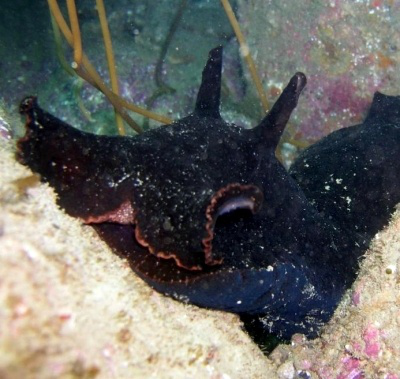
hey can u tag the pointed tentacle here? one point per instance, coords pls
(208, 98)
(273, 124)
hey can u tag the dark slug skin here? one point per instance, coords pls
(205, 213)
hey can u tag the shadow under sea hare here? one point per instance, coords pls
(205, 213)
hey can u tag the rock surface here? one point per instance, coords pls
(347, 49)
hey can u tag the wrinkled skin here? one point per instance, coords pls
(204, 211)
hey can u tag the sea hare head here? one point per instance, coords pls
(171, 183)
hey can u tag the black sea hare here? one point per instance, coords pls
(204, 212)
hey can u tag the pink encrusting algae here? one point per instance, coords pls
(371, 339)
(347, 49)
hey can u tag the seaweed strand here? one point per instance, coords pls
(89, 73)
(162, 87)
(110, 59)
(77, 46)
(245, 52)
(59, 49)
(76, 34)
(77, 85)
(172, 29)
(86, 70)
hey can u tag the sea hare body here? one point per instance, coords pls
(204, 212)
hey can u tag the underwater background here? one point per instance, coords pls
(347, 49)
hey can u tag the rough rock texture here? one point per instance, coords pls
(69, 308)
(348, 50)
